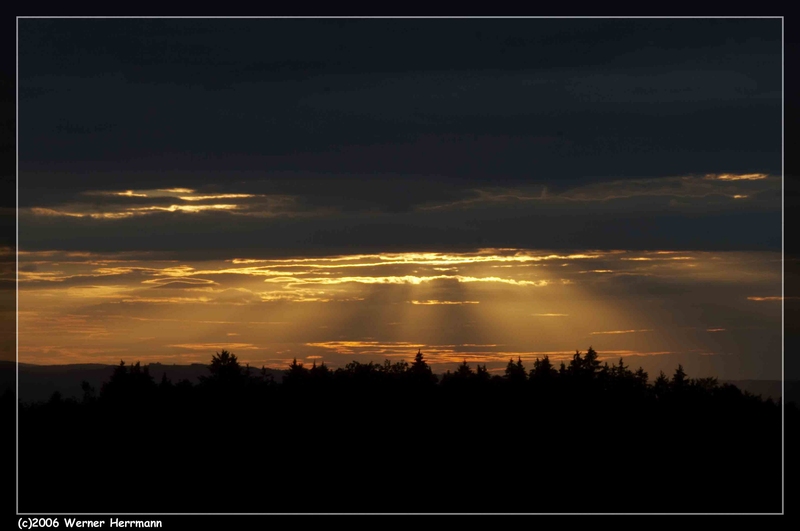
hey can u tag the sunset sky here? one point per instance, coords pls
(345, 190)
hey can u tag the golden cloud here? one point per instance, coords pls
(620, 332)
(437, 302)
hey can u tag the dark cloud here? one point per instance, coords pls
(348, 130)
(224, 235)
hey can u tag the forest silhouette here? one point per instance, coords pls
(394, 437)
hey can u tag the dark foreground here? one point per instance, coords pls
(389, 438)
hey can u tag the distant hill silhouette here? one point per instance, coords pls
(583, 436)
(38, 382)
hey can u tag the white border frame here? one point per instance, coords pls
(783, 295)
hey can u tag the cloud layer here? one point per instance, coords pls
(343, 189)
(660, 308)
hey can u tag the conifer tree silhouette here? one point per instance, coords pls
(590, 364)
(641, 377)
(224, 366)
(661, 385)
(515, 371)
(542, 369)
(362, 401)
(575, 365)
(295, 374)
(482, 373)
(320, 373)
(420, 371)
(89, 395)
(464, 370)
(679, 379)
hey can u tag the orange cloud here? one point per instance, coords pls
(217, 196)
(736, 177)
(216, 346)
(435, 302)
(620, 332)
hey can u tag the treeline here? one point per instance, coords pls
(394, 437)
(583, 374)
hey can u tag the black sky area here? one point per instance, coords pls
(377, 121)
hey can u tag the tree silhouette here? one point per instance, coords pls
(462, 374)
(128, 384)
(393, 369)
(56, 398)
(264, 374)
(641, 377)
(420, 371)
(399, 405)
(320, 373)
(705, 384)
(464, 371)
(89, 394)
(265, 380)
(515, 371)
(482, 373)
(590, 363)
(295, 374)
(620, 370)
(225, 367)
(542, 370)
(661, 386)
(679, 379)
(575, 368)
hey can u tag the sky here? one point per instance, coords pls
(341, 189)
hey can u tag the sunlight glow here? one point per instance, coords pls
(185, 208)
(735, 177)
(435, 302)
(82, 307)
(218, 196)
(621, 331)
